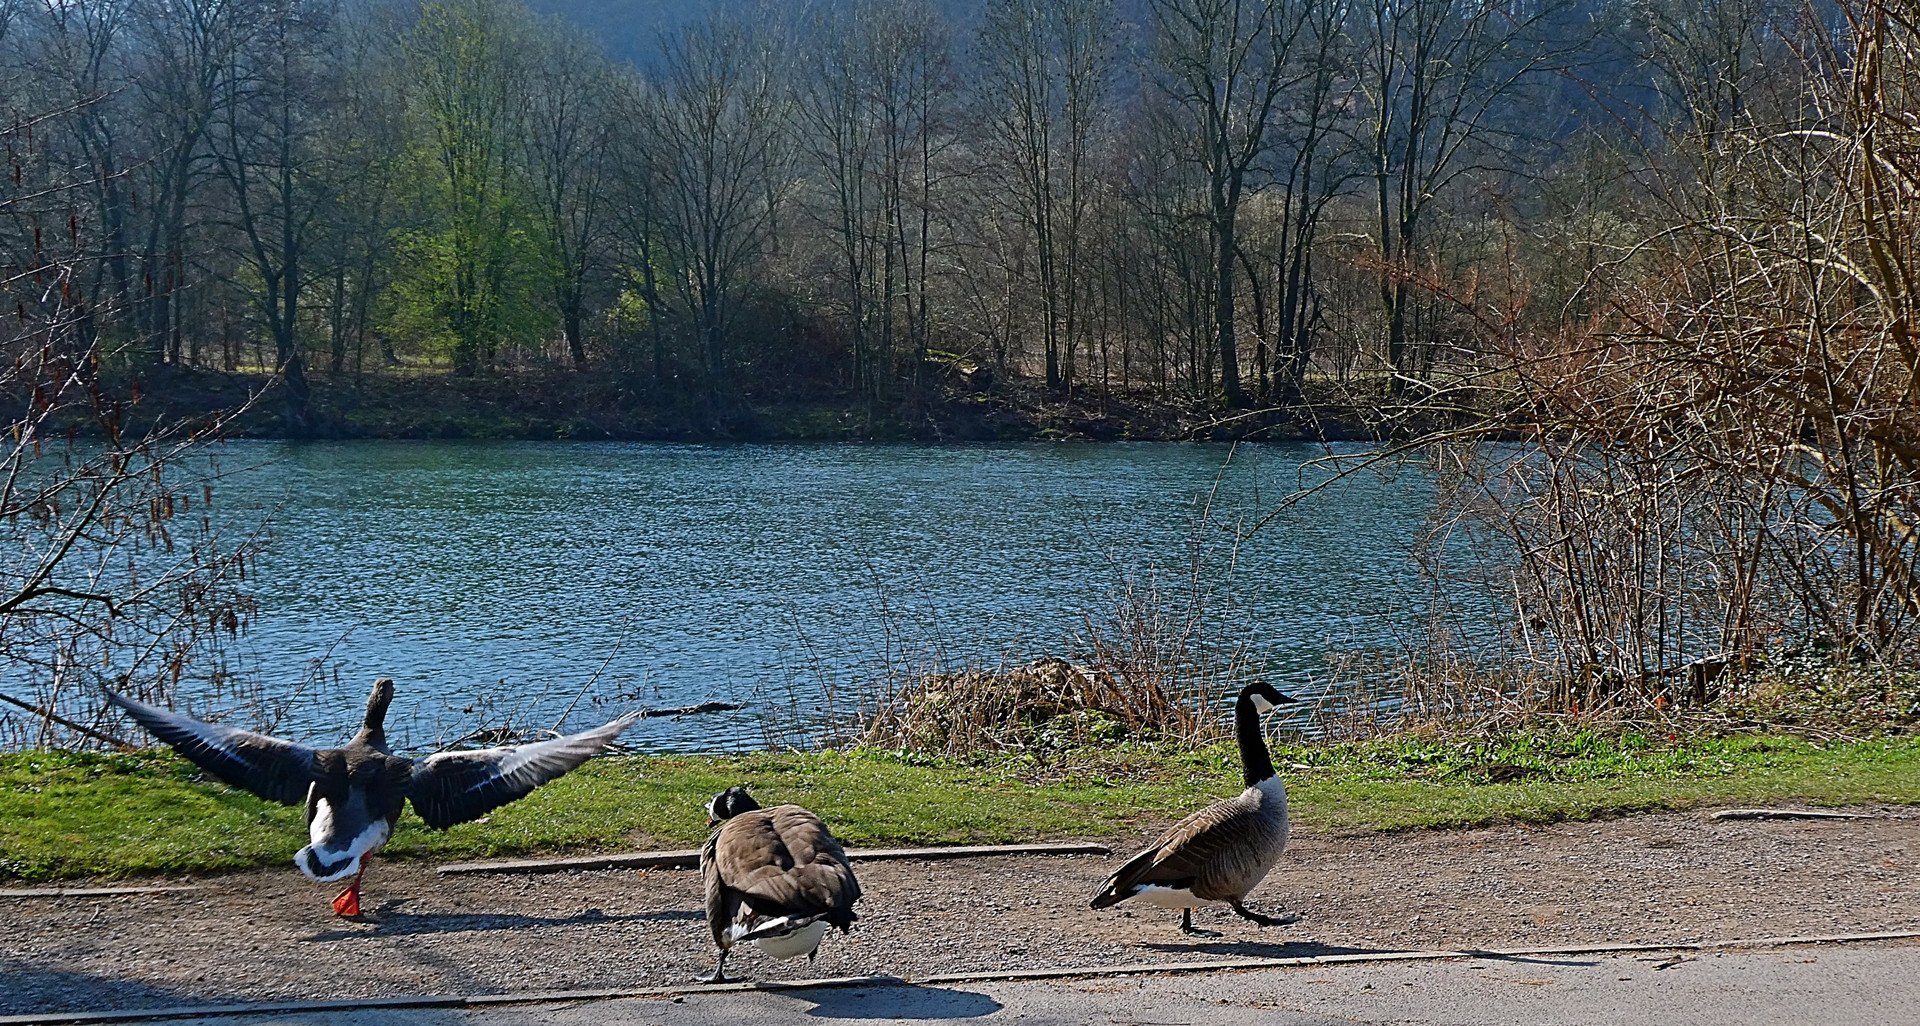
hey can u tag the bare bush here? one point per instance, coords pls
(1722, 465)
(112, 568)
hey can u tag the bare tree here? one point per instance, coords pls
(82, 71)
(367, 143)
(638, 212)
(913, 84)
(1226, 65)
(839, 131)
(717, 121)
(184, 48)
(1310, 169)
(568, 133)
(1043, 83)
(111, 568)
(872, 125)
(1720, 468)
(1433, 75)
(1175, 268)
(267, 140)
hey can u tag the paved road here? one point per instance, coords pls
(1825, 985)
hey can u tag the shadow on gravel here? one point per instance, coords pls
(407, 924)
(898, 1001)
(30, 989)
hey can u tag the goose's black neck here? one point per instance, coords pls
(373, 729)
(1255, 763)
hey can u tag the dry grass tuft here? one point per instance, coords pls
(1048, 704)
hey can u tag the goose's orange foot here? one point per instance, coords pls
(347, 903)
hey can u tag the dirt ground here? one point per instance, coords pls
(270, 934)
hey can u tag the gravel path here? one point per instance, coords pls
(270, 934)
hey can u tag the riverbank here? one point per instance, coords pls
(543, 405)
(66, 816)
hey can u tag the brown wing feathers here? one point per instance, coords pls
(723, 902)
(781, 861)
(1212, 852)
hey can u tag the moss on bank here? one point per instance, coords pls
(70, 815)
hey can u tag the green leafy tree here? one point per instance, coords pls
(471, 97)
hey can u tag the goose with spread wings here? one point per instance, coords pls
(1221, 853)
(775, 878)
(354, 794)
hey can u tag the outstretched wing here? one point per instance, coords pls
(453, 787)
(276, 770)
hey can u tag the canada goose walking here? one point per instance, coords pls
(1221, 853)
(774, 877)
(355, 793)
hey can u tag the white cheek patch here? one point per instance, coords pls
(1260, 703)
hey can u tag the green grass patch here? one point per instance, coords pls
(71, 815)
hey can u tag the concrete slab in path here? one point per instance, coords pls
(1823, 984)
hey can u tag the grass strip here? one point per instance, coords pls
(66, 815)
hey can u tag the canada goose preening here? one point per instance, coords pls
(775, 878)
(355, 793)
(1221, 853)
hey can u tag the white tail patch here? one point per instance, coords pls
(321, 860)
(783, 937)
(794, 943)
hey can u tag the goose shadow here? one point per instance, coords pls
(897, 1001)
(390, 923)
(34, 989)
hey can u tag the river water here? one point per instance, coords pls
(494, 581)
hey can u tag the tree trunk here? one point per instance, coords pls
(575, 341)
(287, 348)
(1262, 376)
(1223, 309)
(337, 317)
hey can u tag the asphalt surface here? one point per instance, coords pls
(1828, 985)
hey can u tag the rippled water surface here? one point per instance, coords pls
(494, 579)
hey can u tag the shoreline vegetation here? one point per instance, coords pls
(532, 405)
(1052, 750)
(67, 815)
